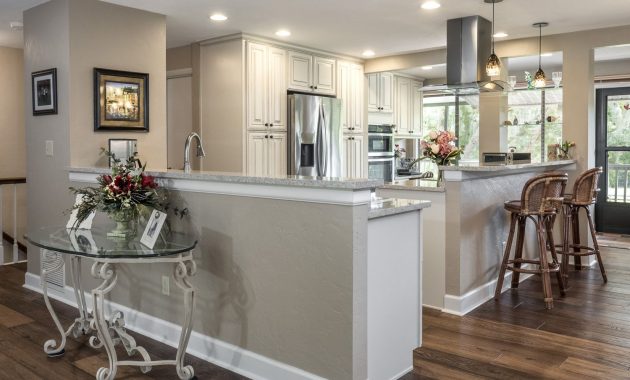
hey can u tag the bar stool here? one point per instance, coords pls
(584, 195)
(541, 200)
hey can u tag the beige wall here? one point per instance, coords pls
(179, 58)
(114, 37)
(13, 136)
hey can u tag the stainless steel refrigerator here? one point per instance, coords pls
(315, 136)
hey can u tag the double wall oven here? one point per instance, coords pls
(381, 161)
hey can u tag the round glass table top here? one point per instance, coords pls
(95, 243)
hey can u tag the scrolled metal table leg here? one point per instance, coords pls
(51, 348)
(182, 271)
(106, 272)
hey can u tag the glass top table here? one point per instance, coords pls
(95, 243)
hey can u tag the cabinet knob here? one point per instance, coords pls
(266, 136)
(271, 124)
(266, 124)
(270, 136)
(311, 87)
(316, 87)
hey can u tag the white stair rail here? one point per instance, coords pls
(14, 182)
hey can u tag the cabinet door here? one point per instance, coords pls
(344, 92)
(277, 95)
(358, 157)
(373, 98)
(403, 100)
(277, 151)
(324, 75)
(386, 92)
(257, 154)
(300, 71)
(348, 157)
(416, 109)
(357, 95)
(256, 86)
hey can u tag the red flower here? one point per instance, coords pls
(148, 181)
(107, 179)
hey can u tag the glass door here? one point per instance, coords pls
(612, 212)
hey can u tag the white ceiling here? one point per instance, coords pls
(351, 26)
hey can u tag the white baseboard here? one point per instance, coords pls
(462, 305)
(222, 354)
(402, 373)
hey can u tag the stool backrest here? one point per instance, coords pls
(585, 187)
(543, 194)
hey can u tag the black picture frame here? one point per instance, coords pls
(44, 90)
(121, 101)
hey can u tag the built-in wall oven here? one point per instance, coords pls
(381, 162)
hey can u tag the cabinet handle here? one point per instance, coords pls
(316, 87)
(266, 136)
(266, 124)
(270, 136)
(271, 124)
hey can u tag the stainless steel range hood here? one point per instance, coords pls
(468, 46)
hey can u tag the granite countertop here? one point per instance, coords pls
(381, 207)
(414, 185)
(295, 181)
(496, 168)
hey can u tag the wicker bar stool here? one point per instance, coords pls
(584, 195)
(541, 200)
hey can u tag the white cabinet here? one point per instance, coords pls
(408, 113)
(381, 92)
(266, 87)
(266, 154)
(310, 73)
(350, 90)
(353, 156)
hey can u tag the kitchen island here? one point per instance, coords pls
(466, 228)
(297, 277)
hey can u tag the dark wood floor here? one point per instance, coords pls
(585, 336)
(25, 325)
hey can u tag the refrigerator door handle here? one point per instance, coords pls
(321, 143)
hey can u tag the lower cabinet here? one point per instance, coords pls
(266, 154)
(353, 156)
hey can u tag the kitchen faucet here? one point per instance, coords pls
(200, 151)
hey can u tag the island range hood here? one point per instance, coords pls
(468, 46)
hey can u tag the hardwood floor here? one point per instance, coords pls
(25, 325)
(585, 336)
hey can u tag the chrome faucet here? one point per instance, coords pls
(200, 151)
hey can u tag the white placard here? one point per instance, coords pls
(82, 241)
(153, 228)
(86, 224)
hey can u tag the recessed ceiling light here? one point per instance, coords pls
(427, 67)
(546, 54)
(430, 5)
(500, 35)
(218, 17)
(283, 33)
(368, 53)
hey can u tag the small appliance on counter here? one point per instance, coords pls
(381, 160)
(508, 158)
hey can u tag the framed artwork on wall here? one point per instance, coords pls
(121, 101)
(44, 92)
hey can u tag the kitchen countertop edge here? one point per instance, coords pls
(393, 206)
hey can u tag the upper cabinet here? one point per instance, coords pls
(266, 87)
(309, 73)
(408, 112)
(350, 90)
(381, 92)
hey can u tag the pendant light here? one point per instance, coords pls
(539, 79)
(493, 66)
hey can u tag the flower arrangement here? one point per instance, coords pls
(564, 149)
(440, 147)
(399, 151)
(121, 194)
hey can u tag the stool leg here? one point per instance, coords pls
(566, 229)
(595, 245)
(518, 255)
(506, 257)
(575, 218)
(552, 248)
(544, 265)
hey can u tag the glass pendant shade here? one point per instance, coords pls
(539, 79)
(493, 66)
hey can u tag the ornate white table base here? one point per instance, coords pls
(111, 332)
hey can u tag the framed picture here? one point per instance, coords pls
(44, 92)
(153, 228)
(122, 149)
(82, 241)
(121, 101)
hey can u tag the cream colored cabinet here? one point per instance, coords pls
(354, 156)
(266, 154)
(350, 90)
(408, 113)
(309, 73)
(381, 92)
(266, 87)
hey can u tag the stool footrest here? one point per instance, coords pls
(589, 250)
